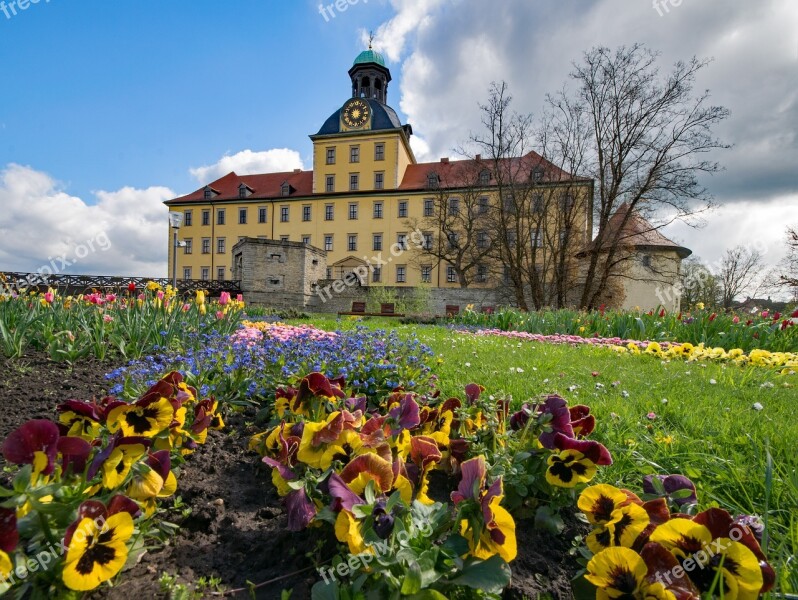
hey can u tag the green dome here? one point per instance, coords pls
(369, 56)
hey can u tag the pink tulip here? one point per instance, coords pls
(107, 318)
(240, 298)
(736, 320)
(159, 295)
(142, 297)
(186, 307)
(224, 298)
(219, 314)
(49, 297)
(765, 314)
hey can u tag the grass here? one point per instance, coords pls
(706, 426)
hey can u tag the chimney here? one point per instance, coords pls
(297, 170)
(445, 160)
(478, 157)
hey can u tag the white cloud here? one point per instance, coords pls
(411, 16)
(760, 225)
(124, 233)
(248, 162)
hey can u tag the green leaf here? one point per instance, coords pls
(549, 520)
(428, 595)
(455, 545)
(412, 580)
(490, 576)
(325, 591)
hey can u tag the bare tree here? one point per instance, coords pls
(788, 267)
(455, 222)
(698, 284)
(648, 139)
(740, 270)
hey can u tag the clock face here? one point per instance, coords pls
(356, 113)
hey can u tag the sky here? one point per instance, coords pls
(110, 108)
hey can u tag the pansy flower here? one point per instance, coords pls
(116, 460)
(97, 543)
(6, 566)
(425, 454)
(319, 446)
(153, 479)
(487, 526)
(403, 415)
(722, 548)
(80, 419)
(146, 417)
(365, 468)
(575, 462)
(622, 573)
(9, 535)
(34, 443)
(677, 488)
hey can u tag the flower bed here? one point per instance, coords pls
(665, 350)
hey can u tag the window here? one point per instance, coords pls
(454, 240)
(242, 216)
(189, 246)
(285, 190)
(284, 214)
(482, 274)
(376, 242)
(427, 241)
(353, 211)
(378, 210)
(220, 216)
(208, 193)
(331, 156)
(537, 238)
(329, 212)
(351, 243)
(484, 178)
(567, 202)
(482, 239)
(401, 241)
(206, 245)
(220, 272)
(537, 204)
(433, 181)
(646, 260)
(306, 212)
(329, 273)
(537, 174)
(509, 204)
(285, 238)
(306, 240)
(262, 212)
(379, 181)
(402, 209)
(354, 182)
(451, 275)
(354, 154)
(220, 245)
(206, 273)
(429, 207)
(330, 184)
(564, 239)
(187, 217)
(243, 191)
(426, 274)
(506, 275)
(328, 243)
(206, 217)
(454, 207)
(511, 239)
(186, 272)
(484, 204)
(401, 274)
(376, 274)
(379, 151)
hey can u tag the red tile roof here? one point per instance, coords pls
(639, 233)
(465, 172)
(265, 186)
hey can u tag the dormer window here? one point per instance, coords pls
(209, 193)
(484, 178)
(537, 174)
(285, 190)
(243, 191)
(433, 181)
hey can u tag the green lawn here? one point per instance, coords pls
(706, 426)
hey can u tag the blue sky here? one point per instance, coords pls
(110, 107)
(104, 94)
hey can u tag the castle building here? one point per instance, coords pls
(369, 202)
(366, 194)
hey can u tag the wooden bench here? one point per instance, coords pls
(387, 309)
(452, 310)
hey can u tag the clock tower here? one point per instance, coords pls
(363, 145)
